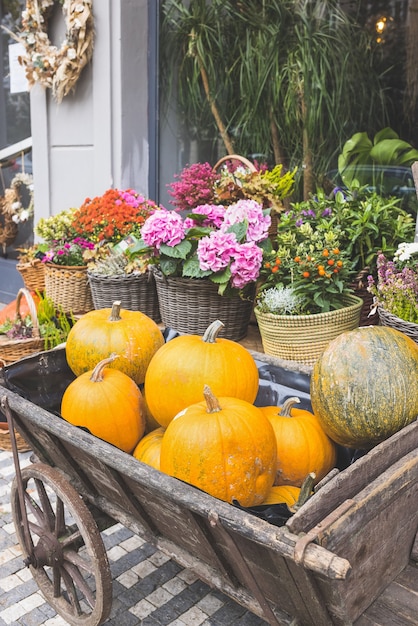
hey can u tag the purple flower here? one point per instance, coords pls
(163, 227)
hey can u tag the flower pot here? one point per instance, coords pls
(189, 305)
(136, 292)
(303, 338)
(68, 288)
(388, 319)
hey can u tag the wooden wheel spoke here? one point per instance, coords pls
(67, 540)
(80, 582)
(59, 518)
(45, 504)
(35, 509)
(56, 574)
(75, 559)
(36, 529)
(72, 592)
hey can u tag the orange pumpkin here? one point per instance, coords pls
(135, 337)
(283, 494)
(8, 312)
(108, 403)
(225, 447)
(148, 449)
(302, 445)
(179, 370)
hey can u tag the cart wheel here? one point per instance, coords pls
(63, 548)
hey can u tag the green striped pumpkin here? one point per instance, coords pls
(364, 387)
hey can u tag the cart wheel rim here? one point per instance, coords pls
(64, 550)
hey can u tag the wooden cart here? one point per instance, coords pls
(353, 545)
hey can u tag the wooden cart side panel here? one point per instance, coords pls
(283, 584)
(178, 524)
(50, 450)
(110, 483)
(347, 484)
(376, 536)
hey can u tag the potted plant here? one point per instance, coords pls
(232, 178)
(367, 223)
(113, 222)
(395, 290)
(114, 275)
(304, 297)
(206, 264)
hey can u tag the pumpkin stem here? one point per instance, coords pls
(97, 373)
(211, 401)
(287, 405)
(305, 492)
(115, 312)
(212, 331)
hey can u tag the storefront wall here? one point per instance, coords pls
(97, 137)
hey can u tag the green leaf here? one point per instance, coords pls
(239, 230)
(393, 152)
(180, 251)
(168, 266)
(191, 269)
(221, 277)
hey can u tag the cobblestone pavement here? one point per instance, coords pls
(148, 588)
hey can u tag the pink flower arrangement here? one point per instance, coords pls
(222, 243)
(396, 288)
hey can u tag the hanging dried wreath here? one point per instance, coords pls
(56, 68)
(13, 211)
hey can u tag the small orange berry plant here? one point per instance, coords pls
(310, 263)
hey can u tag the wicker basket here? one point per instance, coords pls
(6, 443)
(189, 305)
(12, 350)
(251, 167)
(68, 287)
(136, 292)
(303, 338)
(33, 275)
(359, 286)
(235, 157)
(407, 328)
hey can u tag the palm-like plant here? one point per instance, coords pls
(288, 79)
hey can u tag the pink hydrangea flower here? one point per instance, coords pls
(252, 212)
(215, 215)
(215, 251)
(245, 267)
(163, 227)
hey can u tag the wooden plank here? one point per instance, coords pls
(350, 481)
(375, 536)
(171, 520)
(398, 603)
(414, 551)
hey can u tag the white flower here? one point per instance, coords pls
(16, 206)
(31, 39)
(406, 250)
(79, 8)
(15, 218)
(24, 215)
(71, 54)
